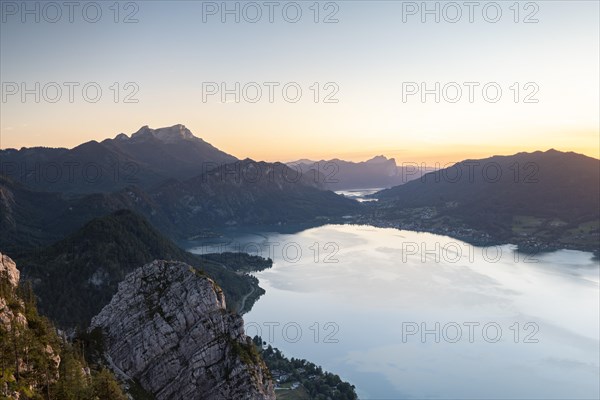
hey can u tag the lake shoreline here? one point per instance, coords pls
(419, 287)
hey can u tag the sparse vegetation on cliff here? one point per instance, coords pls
(35, 363)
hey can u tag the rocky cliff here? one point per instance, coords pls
(167, 328)
(28, 351)
(35, 363)
(9, 279)
(9, 270)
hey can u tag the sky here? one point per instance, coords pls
(354, 74)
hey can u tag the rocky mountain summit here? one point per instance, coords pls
(168, 135)
(167, 328)
(147, 158)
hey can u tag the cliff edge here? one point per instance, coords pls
(167, 328)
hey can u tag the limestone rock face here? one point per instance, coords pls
(9, 270)
(14, 325)
(167, 328)
(9, 273)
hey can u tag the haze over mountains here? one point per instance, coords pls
(183, 185)
(378, 172)
(151, 156)
(176, 180)
(81, 239)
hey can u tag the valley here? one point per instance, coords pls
(314, 200)
(273, 234)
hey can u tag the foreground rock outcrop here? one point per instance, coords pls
(9, 279)
(167, 328)
(29, 356)
(8, 269)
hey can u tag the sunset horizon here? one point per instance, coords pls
(300, 200)
(432, 156)
(310, 101)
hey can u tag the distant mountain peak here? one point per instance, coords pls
(302, 161)
(554, 151)
(378, 159)
(167, 135)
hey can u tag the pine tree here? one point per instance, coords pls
(106, 387)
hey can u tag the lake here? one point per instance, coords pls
(359, 195)
(404, 315)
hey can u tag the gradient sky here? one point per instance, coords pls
(369, 53)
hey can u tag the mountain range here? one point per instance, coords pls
(180, 183)
(552, 195)
(184, 186)
(97, 243)
(150, 157)
(377, 172)
(147, 158)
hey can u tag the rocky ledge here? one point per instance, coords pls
(9, 271)
(167, 328)
(9, 276)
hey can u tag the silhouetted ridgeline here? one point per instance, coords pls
(216, 191)
(378, 172)
(550, 199)
(145, 159)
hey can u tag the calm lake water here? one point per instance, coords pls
(403, 315)
(359, 194)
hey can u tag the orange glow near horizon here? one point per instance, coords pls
(286, 149)
(546, 77)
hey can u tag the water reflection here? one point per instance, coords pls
(529, 323)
